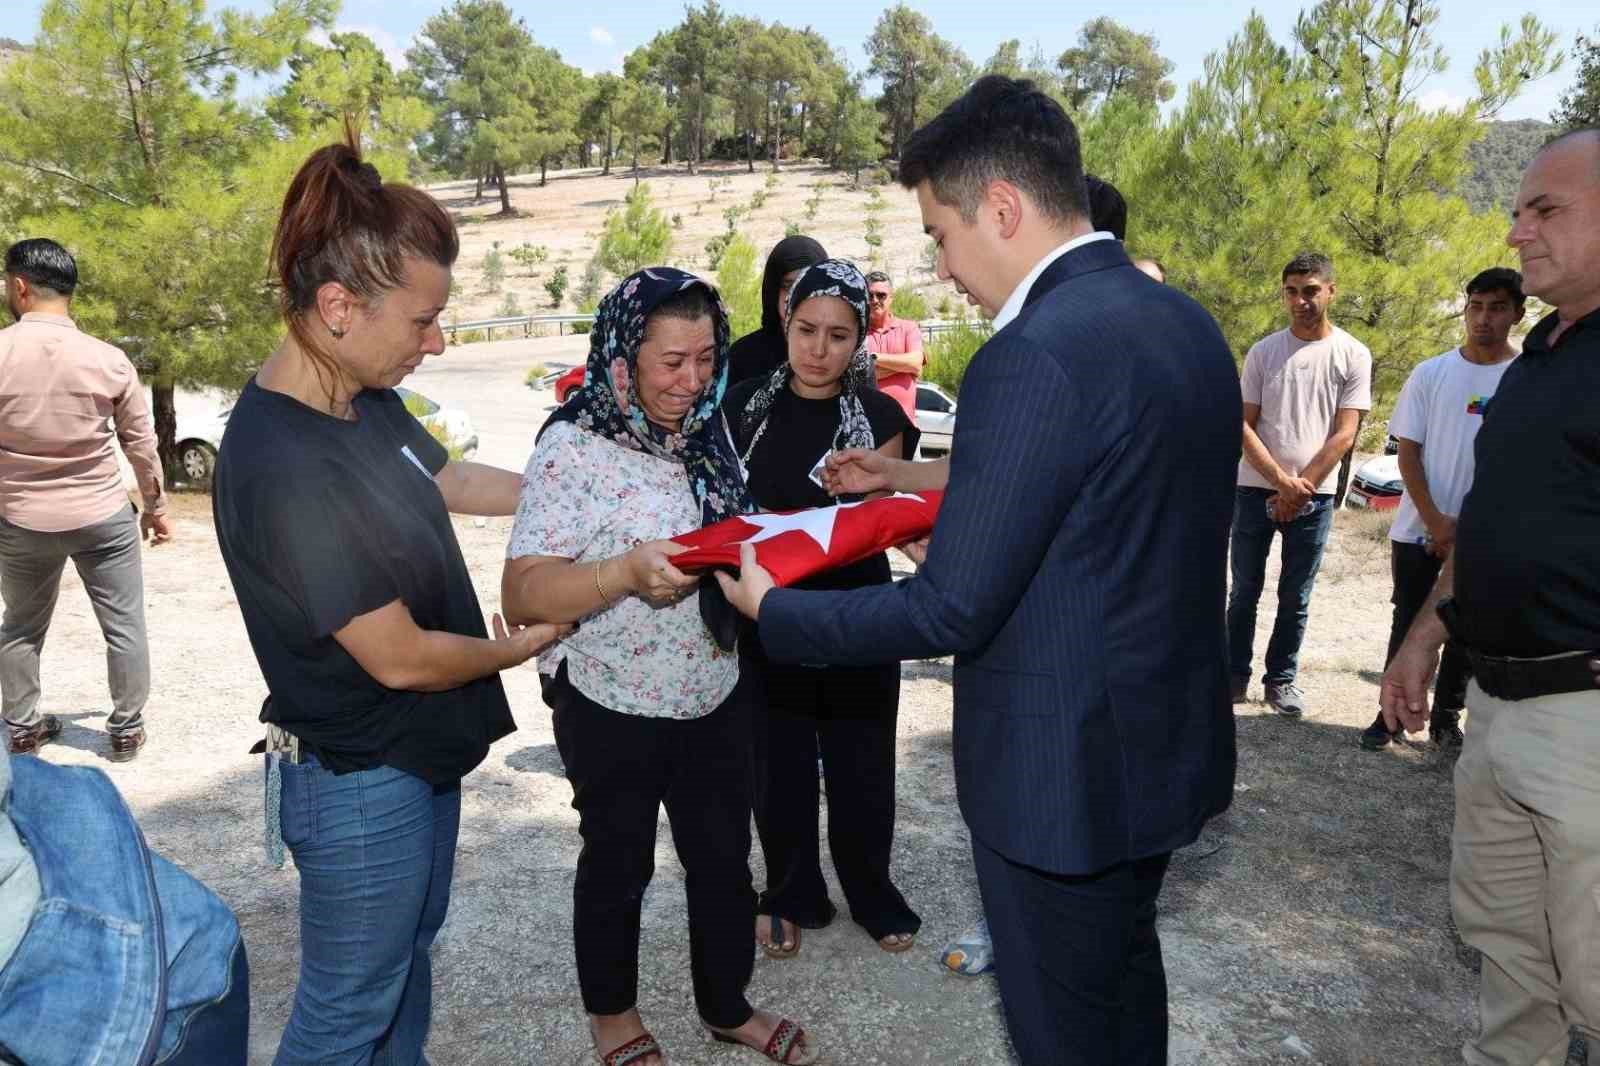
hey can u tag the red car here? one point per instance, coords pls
(567, 382)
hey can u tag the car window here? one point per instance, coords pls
(928, 400)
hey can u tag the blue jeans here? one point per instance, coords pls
(375, 850)
(1303, 541)
(127, 959)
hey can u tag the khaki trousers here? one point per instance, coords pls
(1525, 872)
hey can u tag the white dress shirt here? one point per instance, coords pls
(1019, 295)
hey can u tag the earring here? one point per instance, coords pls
(336, 331)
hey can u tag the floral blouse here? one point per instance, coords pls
(585, 498)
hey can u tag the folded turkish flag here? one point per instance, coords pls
(794, 545)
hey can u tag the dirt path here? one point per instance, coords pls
(1315, 909)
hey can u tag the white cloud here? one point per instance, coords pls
(1441, 100)
(601, 35)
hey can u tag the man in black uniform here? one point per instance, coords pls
(1521, 593)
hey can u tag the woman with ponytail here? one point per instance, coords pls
(332, 508)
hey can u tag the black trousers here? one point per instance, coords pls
(848, 714)
(622, 768)
(1079, 961)
(1415, 572)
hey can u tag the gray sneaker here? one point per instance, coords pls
(1286, 699)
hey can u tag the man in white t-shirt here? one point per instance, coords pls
(1436, 421)
(1305, 389)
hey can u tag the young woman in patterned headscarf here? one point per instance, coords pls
(648, 705)
(784, 424)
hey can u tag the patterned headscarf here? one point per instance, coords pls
(831, 277)
(608, 401)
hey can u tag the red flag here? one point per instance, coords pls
(794, 545)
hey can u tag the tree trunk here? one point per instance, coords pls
(749, 150)
(666, 145)
(477, 192)
(166, 418)
(607, 165)
(544, 171)
(505, 193)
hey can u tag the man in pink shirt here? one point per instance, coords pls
(895, 342)
(66, 399)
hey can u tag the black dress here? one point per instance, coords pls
(848, 714)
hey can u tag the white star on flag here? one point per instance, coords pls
(816, 523)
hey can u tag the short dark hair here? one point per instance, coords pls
(1498, 279)
(1107, 209)
(1000, 129)
(1313, 263)
(880, 277)
(690, 304)
(45, 265)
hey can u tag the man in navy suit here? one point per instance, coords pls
(1077, 572)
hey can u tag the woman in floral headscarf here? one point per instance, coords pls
(822, 400)
(647, 701)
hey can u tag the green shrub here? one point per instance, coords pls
(791, 229)
(637, 236)
(951, 350)
(772, 181)
(909, 304)
(757, 201)
(494, 270)
(739, 279)
(556, 285)
(529, 256)
(535, 374)
(469, 336)
(717, 247)
(510, 307)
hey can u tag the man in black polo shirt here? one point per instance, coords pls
(1521, 593)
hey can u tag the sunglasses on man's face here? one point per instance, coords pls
(878, 297)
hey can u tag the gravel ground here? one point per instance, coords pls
(1310, 923)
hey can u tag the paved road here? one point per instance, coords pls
(487, 381)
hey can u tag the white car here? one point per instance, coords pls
(203, 416)
(1376, 484)
(936, 418)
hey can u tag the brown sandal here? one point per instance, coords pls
(787, 1038)
(635, 1050)
(775, 949)
(895, 947)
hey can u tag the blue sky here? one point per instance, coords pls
(596, 38)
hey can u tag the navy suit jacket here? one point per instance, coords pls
(1077, 572)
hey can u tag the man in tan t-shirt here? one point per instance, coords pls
(66, 399)
(1305, 389)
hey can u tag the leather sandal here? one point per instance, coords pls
(787, 1039)
(775, 949)
(895, 947)
(636, 1050)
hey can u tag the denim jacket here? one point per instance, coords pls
(127, 960)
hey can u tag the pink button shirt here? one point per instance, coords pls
(65, 400)
(898, 336)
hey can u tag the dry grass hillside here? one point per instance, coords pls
(566, 216)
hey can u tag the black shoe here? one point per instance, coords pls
(25, 740)
(1237, 688)
(1444, 729)
(1376, 736)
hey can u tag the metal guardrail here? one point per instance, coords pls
(526, 323)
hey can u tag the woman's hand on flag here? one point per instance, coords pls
(856, 471)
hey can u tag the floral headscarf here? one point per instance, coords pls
(831, 277)
(608, 401)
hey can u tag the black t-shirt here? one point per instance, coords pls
(1528, 542)
(321, 520)
(799, 432)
